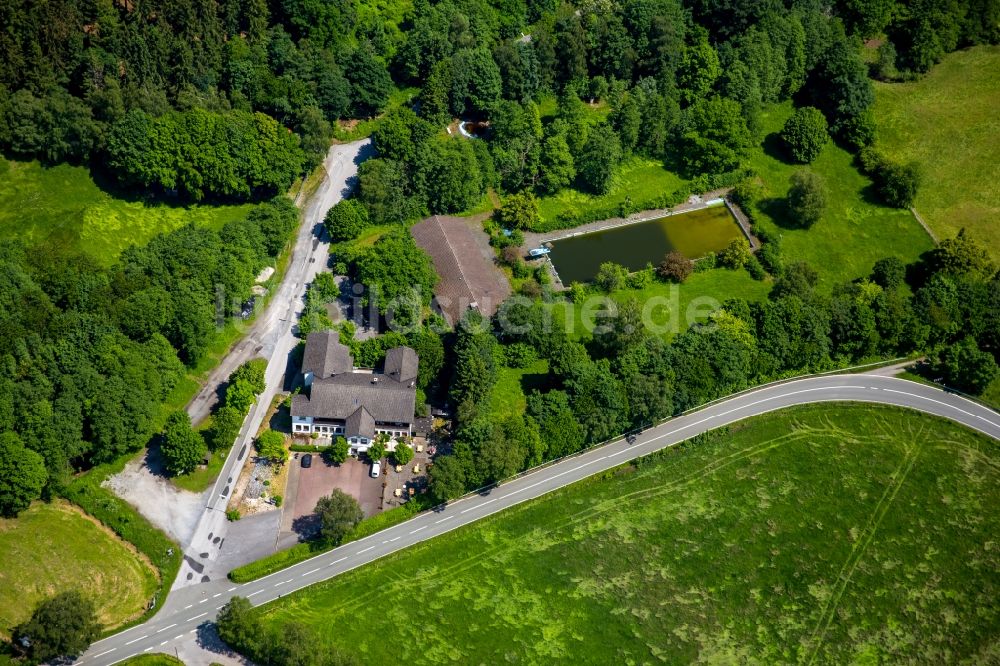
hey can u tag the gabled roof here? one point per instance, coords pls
(340, 396)
(401, 364)
(360, 423)
(325, 356)
(464, 260)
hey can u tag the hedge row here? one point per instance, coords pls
(303, 551)
(86, 492)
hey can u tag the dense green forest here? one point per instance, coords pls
(90, 354)
(234, 99)
(189, 96)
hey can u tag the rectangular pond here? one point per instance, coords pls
(693, 234)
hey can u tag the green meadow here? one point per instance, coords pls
(823, 534)
(856, 229)
(63, 207)
(53, 548)
(948, 122)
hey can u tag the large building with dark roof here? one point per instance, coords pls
(356, 404)
(463, 258)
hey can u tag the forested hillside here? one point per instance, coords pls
(180, 96)
(233, 99)
(194, 97)
(90, 354)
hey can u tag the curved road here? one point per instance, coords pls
(189, 608)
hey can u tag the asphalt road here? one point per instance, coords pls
(271, 337)
(189, 608)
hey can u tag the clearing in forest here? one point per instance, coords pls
(947, 121)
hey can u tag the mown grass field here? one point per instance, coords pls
(62, 207)
(825, 534)
(639, 179)
(948, 122)
(508, 397)
(855, 231)
(51, 548)
(672, 308)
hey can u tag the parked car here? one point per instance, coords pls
(376, 469)
(307, 460)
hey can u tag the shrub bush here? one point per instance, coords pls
(756, 271)
(806, 198)
(675, 267)
(805, 134)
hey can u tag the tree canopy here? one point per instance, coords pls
(805, 134)
(201, 153)
(806, 198)
(62, 626)
(183, 448)
(338, 514)
(22, 475)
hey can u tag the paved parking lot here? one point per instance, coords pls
(317, 481)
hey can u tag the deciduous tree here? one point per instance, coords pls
(806, 198)
(518, 211)
(599, 158)
(346, 220)
(271, 445)
(736, 254)
(966, 367)
(675, 267)
(226, 424)
(62, 626)
(22, 475)
(338, 515)
(805, 134)
(447, 478)
(338, 451)
(183, 449)
(402, 454)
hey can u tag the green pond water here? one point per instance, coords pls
(693, 234)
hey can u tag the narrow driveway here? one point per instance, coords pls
(188, 608)
(274, 339)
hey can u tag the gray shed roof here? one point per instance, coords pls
(340, 396)
(401, 364)
(360, 423)
(325, 356)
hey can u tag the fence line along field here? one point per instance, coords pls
(812, 535)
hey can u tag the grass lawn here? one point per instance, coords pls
(854, 232)
(948, 122)
(52, 548)
(826, 534)
(639, 179)
(672, 308)
(153, 660)
(513, 384)
(63, 206)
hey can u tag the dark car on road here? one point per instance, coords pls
(307, 460)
